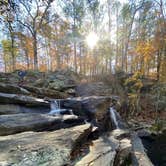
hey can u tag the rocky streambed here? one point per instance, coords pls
(36, 129)
(31, 136)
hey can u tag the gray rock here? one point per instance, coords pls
(102, 153)
(11, 124)
(144, 133)
(9, 88)
(139, 157)
(42, 148)
(123, 156)
(20, 99)
(93, 88)
(6, 109)
(45, 92)
(95, 108)
(10, 109)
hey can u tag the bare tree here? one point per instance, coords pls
(35, 14)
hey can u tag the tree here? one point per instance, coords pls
(35, 13)
(75, 11)
(8, 49)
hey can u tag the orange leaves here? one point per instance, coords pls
(146, 50)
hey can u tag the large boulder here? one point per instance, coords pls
(42, 148)
(94, 108)
(9, 88)
(60, 80)
(87, 105)
(11, 124)
(22, 99)
(102, 152)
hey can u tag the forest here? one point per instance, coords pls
(48, 35)
(82, 82)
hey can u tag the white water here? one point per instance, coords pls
(55, 107)
(113, 117)
(56, 110)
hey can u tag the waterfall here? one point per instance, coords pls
(113, 117)
(57, 110)
(55, 107)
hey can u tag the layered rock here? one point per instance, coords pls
(43, 148)
(6, 109)
(22, 99)
(102, 152)
(11, 124)
(45, 92)
(9, 88)
(94, 108)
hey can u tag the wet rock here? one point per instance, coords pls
(102, 152)
(139, 157)
(42, 148)
(20, 99)
(11, 124)
(87, 105)
(144, 133)
(94, 108)
(9, 88)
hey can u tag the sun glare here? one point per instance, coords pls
(92, 40)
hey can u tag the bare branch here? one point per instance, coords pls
(26, 25)
(46, 9)
(26, 8)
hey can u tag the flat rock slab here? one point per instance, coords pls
(42, 148)
(9, 88)
(102, 153)
(11, 124)
(22, 99)
(6, 109)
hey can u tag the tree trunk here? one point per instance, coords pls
(35, 51)
(109, 32)
(27, 58)
(75, 57)
(12, 45)
(158, 65)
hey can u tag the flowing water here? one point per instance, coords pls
(55, 107)
(113, 117)
(57, 110)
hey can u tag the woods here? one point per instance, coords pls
(82, 82)
(50, 34)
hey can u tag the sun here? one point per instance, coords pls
(92, 40)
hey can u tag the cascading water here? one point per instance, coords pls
(55, 107)
(56, 110)
(113, 117)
